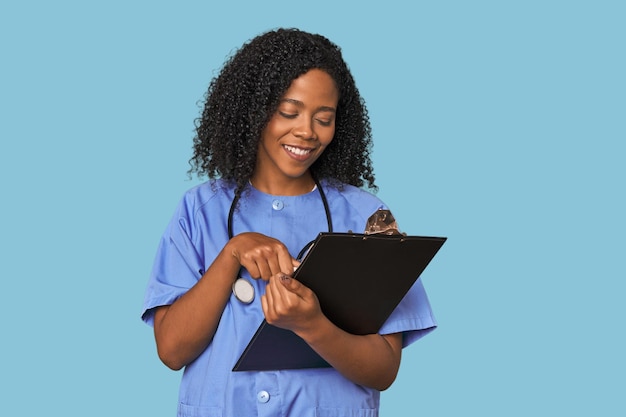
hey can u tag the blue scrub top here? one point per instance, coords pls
(195, 236)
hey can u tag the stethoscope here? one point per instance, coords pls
(242, 288)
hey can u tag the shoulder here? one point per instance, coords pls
(352, 193)
(210, 194)
(360, 202)
(200, 209)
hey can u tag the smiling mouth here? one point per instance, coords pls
(297, 151)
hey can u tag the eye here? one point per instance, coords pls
(325, 122)
(287, 115)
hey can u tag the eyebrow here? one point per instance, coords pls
(301, 104)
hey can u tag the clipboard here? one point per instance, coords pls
(359, 279)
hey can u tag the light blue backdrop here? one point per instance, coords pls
(498, 124)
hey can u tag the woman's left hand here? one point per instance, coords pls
(289, 304)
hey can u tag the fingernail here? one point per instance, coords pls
(284, 277)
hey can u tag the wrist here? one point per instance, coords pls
(315, 330)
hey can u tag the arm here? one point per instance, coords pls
(184, 329)
(372, 360)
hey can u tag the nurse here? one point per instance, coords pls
(284, 139)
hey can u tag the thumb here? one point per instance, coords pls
(290, 284)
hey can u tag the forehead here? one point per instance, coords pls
(313, 86)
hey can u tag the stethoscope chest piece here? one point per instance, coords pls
(243, 290)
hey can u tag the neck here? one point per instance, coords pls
(287, 187)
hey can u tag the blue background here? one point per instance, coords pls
(498, 124)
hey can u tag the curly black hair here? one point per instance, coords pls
(242, 98)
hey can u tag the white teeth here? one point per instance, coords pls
(297, 151)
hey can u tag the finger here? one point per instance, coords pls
(286, 293)
(271, 257)
(285, 262)
(273, 300)
(264, 304)
(269, 294)
(281, 296)
(253, 266)
(295, 263)
(274, 265)
(270, 260)
(292, 285)
(265, 270)
(253, 270)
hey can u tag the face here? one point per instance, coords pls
(299, 131)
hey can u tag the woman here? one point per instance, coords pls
(284, 138)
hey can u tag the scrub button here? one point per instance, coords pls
(277, 205)
(263, 396)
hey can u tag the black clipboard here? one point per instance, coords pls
(359, 280)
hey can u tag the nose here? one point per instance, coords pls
(304, 130)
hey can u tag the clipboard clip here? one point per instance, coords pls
(382, 222)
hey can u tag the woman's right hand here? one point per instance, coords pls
(261, 255)
(184, 329)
